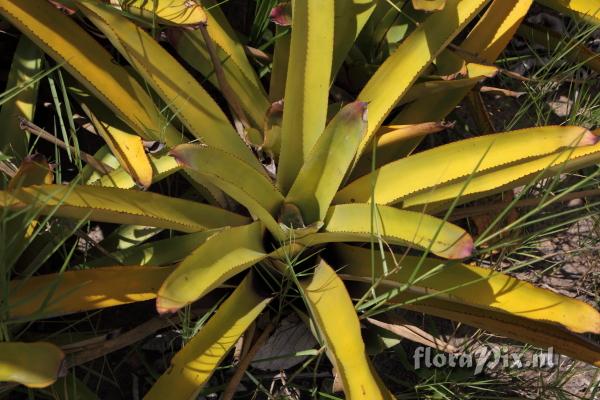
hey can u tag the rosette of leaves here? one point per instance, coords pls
(295, 189)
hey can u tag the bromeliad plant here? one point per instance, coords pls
(290, 194)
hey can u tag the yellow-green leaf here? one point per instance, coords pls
(458, 160)
(35, 365)
(323, 171)
(127, 148)
(157, 253)
(75, 291)
(121, 206)
(228, 41)
(222, 256)
(192, 366)
(177, 12)
(178, 88)
(26, 64)
(307, 85)
(91, 64)
(281, 57)
(251, 189)
(416, 52)
(338, 325)
(363, 223)
(34, 170)
(191, 47)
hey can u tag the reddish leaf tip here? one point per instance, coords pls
(281, 14)
(463, 248)
(166, 306)
(588, 139)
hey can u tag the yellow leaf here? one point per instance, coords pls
(178, 88)
(495, 29)
(505, 306)
(416, 52)
(127, 148)
(472, 285)
(192, 366)
(91, 64)
(489, 37)
(191, 47)
(508, 177)
(162, 165)
(340, 330)
(429, 5)
(589, 10)
(459, 160)
(389, 138)
(122, 207)
(307, 85)
(177, 12)
(363, 223)
(75, 291)
(35, 365)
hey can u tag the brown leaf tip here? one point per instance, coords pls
(281, 14)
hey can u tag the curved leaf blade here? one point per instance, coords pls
(35, 365)
(473, 286)
(122, 206)
(363, 223)
(181, 92)
(224, 255)
(128, 149)
(192, 366)
(76, 291)
(65, 41)
(251, 189)
(495, 181)
(458, 160)
(324, 293)
(418, 50)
